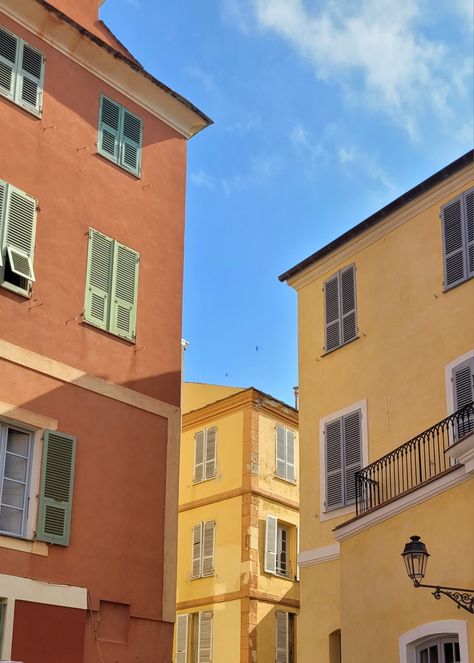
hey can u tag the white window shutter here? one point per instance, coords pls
(211, 449)
(334, 460)
(199, 456)
(453, 242)
(331, 301)
(271, 544)
(348, 304)
(9, 45)
(290, 456)
(282, 637)
(352, 453)
(196, 551)
(20, 232)
(280, 451)
(182, 627)
(30, 79)
(205, 637)
(208, 545)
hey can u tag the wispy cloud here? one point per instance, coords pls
(248, 122)
(261, 169)
(201, 76)
(202, 179)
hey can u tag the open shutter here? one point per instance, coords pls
(196, 551)
(20, 232)
(348, 304)
(131, 144)
(182, 626)
(55, 498)
(205, 637)
(9, 45)
(109, 128)
(98, 279)
(352, 453)
(290, 455)
(271, 544)
(199, 456)
(334, 479)
(469, 209)
(3, 207)
(208, 548)
(30, 79)
(280, 452)
(211, 448)
(282, 639)
(331, 300)
(453, 243)
(124, 292)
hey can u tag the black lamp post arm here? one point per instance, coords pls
(464, 598)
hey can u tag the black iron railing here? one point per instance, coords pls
(412, 464)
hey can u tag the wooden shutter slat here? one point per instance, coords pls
(56, 488)
(131, 140)
(3, 208)
(196, 551)
(453, 243)
(30, 80)
(271, 544)
(20, 220)
(109, 128)
(98, 279)
(8, 63)
(281, 452)
(469, 208)
(205, 637)
(208, 548)
(199, 456)
(182, 626)
(352, 453)
(334, 460)
(124, 291)
(348, 304)
(290, 456)
(281, 639)
(211, 452)
(331, 299)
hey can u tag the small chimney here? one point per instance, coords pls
(296, 391)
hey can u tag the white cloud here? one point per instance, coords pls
(248, 122)
(201, 76)
(203, 179)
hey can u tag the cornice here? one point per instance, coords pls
(319, 555)
(238, 492)
(235, 596)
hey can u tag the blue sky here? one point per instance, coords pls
(324, 110)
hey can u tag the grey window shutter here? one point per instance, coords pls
(196, 551)
(56, 488)
(290, 456)
(352, 453)
(30, 80)
(469, 208)
(334, 464)
(211, 449)
(199, 456)
(205, 637)
(20, 232)
(331, 300)
(463, 384)
(3, 209)
(131, 146)
(271, 544)
(453, 243)
(109, 128)
(182, 627)
(9, 45)
(124, 292)
(282, 637)
(280, 451)
(208, 544)
(348, 304)
(98, 279)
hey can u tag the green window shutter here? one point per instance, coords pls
(271, 544)
(282, 639)
(196, 551)
(30, 78)
(280, 451)
(199, 456)
(182, 627)
(334, 464)
(9, 45)
(208, 542)
(20, 232)
(98, 279)
(56, 487)
(109, 129)
(3, 209)
(211, 452)
(131, 142)
(205, 637)
(124, 292)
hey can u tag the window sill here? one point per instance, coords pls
(196, 483)
(292, 482)
(343, 345)
(16, 289)
(24, 545)
(28, 109)
(124, 169)
(131, 341)
(337, 513)
(456, 285)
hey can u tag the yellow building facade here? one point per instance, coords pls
(237, 587)
(386, 360)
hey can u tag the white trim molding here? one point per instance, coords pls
(410, 640)
(463, 452)
(448, 377)
(319, 555)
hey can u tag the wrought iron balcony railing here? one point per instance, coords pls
(412, 464)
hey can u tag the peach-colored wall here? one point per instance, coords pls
(54, 159)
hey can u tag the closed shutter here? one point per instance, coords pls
(196, 551)
(30, 80)
(334, 461)
(98, 279)
(20, 232)
(208, 548)
(348, 304)
(352, 453)
(331, 300)
(282, 639)
(8, 62)
(271, 544)
(463, 387)
(109, 128)
(3, 207)
(290, 456)
(453, 243)
(182, 625)
(281, 451)
(199, 456)
(56, 487)
(211, 448)
(469, 208)
(124, 292)
(131, 142)
(297, 553)
(205, 637)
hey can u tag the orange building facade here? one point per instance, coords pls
(92, 196)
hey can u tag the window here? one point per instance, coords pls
(55, 495)
(284, 637)
(21, 72)
(343, 455)
(458, 239)
(463, 394)
(203, 549)
(120, 136)
(285, 453)
(340, 308)
(280, 544)
(205, 448)
(111, 286)
(439, 650)
(194, 637)
(17, 238)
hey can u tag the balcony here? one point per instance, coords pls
(413, 464)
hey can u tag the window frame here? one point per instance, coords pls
(25, 518)
(203, 526)
(464, 249)
(283, 565)
(273, 548)
(122, 140)
(342, 316)
(278, 459)
(439, 642)
(205, 460)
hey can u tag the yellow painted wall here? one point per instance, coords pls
(267, 479)
(266, 625)
(195, 395)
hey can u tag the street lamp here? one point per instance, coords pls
(415, 556)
